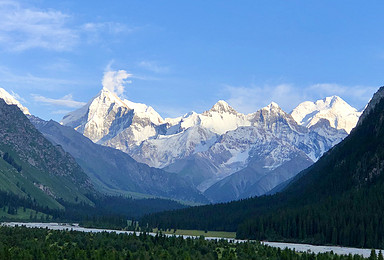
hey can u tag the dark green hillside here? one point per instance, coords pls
(37, 176)
(32, 168)
(338, 200)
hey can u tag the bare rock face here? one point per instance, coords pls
(372, 104)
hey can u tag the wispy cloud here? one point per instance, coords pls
(33, 81)
(23, 28)
(153, 67)
(109, 27)
(250, 99)
(362, 93)
(18, 97)
(66, 101)
(59, 64)
(116, 81)
(96, 32)
(288, 96)
(60, 112)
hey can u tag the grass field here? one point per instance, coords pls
(221, 234)
(28, 215)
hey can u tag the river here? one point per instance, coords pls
(298, 247)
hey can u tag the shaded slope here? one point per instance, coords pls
(338, 200)
(255, 180)
(115, 172)
(32, 167)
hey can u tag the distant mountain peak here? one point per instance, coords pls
(107, 115)
(11, 100)
(107, 96)
(272, 106)
(222, 107)
(332, 101)
(334, 109)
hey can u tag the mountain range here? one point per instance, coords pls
(324, 160)
(219, 155)
(225, 154)
(115, 172)
(338, 200)
(57, 173)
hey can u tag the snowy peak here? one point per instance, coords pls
(11, 100)
(334, 109)
(333, 100)
(272, 112)
(107, 96)
(104, 98)
(221, 107)
(107, 115)
(144, 111)
(272, 107)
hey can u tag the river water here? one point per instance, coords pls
(297, 247)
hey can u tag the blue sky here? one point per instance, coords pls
(180, 56)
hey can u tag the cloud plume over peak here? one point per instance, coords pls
(116, 81)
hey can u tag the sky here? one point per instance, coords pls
(182, 56)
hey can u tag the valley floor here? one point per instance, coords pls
(196, 233)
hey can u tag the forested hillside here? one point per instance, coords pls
(338, 200)
(40, 181)
(33, 168)
(24, 243)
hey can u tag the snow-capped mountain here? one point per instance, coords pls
(225, 154)
(208, 147)
(191, 134)
(340, 114)
(272, 139)
(121, 124)
(11, 100)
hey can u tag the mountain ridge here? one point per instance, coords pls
(338, 200)
(41, 170)
(172, 144)
(220, 141)
(114, 171)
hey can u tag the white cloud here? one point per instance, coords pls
(153, 66)
(23, 28)
(66, 101)
(109, 27)
(32, 81)
(115, 81)
(288, 96)
(18, 97)
(250, 99)
(357, 93)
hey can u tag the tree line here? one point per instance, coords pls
(339, 200)
(27, 243)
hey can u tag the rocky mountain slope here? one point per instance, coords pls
(115, 172)
(338, 200)
(209, 147)
(279, 148)
(32, 167)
